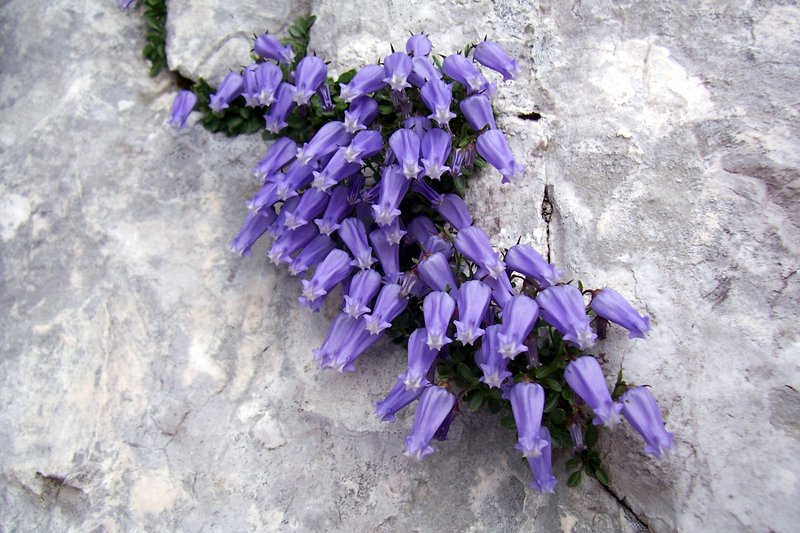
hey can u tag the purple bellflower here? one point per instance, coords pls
(422, 187)
(424, 71)
(502, 291)
(436, 144)
(182, 107)
(444, 427)
(493, 147)
(406, 144)
(462, 158)
(269, 47)
(435, 272)
(289, 242)
(297, 177)
(327, 140)
(610, 304)
(324, 93)
(124, 4)
(335, 338)
(230, 88)
(339, 207)
(435, 244)
(464, 71)
(455, 211)
(280, 108)
(418, 125)
(435, 404)
(398, 398)
(337, 169)
(519, 316)
(473, 244)
(361, 114)
(576, 435)
(491, 55)
(420, 228)
(334, 269)
(525, 260)
(309, 75)
(365, 144)
(437, 96)
(260, 81)
(392, 188)
(418, 45)
(363, 288)
(388, 255)
(397, 67)
(473, 301)
(585, 378)
(527, 404)
(420, 359)
(276, 229)
(438, 309)
(312, 203)
(254, 226)
(367, 80)
(542, 466)
(347, 342)
(477, 110)
(265, 197)
(278, 155)
(490, 360)
(641, 410)
(311, 255)
(562, 307)
(394, 232)
(390, 303)
(354, 235)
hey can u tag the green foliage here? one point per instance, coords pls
(155, 17)
(299, 35)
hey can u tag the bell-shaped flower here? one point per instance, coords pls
(473, 244)
(230, 88)
(392, 188)
(291, 241)
(405, 145)
(254, 226)
(491, 55)
(418, 125)
(473, 302)
(394, 232)
(493, 147)
(562, 307)
(354, 235)
(309, 75)
(420, 359)
(641, 410)
(423, 187)
(297, 177)
(435, 403)
(465, 72)
(337, 170)
(280, 108)
(363, 288)
(367, 80)
(312, 203)
(339, 206)
(397, 67)
(610, 304)
(585, 378)
(335, 338)
(462, 158)
(444, 427)
(435, 244)
(390, 303)
(434, 270)
(437, 97)
(388, 255)
(527, 404)
(331, 136)
(519, 316)
(424, 70)
(354, 341)
(525, 260)
(502, 291)
(398, 398)
(418, 45)
(455, 211)
(361, 114)
(420, 228)
(278, 156)
(311, 255)
(269, 47)
(365, 144)
(542, 466)
(575, 429)
(276, 229)
(260, 82)
(182, 107)
(478, 111)
(332, 271)
(438, 308)
(490, 360)
(436, 144)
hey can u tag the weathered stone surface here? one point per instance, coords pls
(150, 380)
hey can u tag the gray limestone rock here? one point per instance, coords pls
(150, 380)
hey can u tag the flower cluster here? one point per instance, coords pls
(368, 202)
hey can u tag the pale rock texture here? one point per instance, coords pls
(150, 380)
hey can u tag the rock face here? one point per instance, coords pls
(150, 380)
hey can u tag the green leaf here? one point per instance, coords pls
(465, 372)
(602, 476)
(575, 461)
(476, 401)
(553, 385)
(574, 479)
(552, 399)
(507, 421)
(590, 438)
(558, 416)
